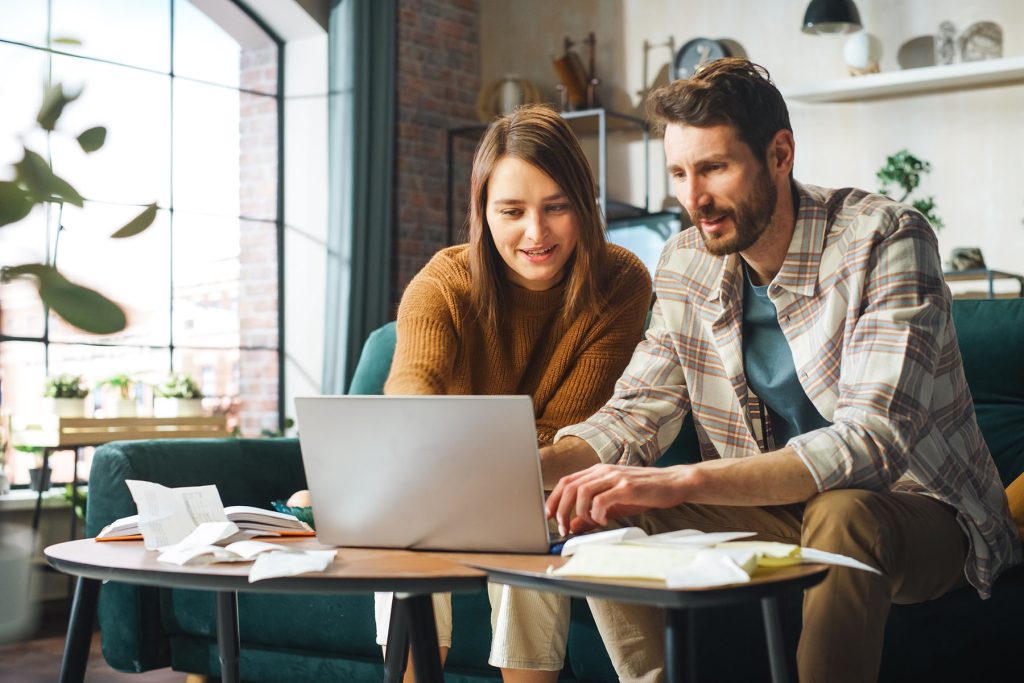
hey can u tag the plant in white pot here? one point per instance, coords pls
(65, 395)
(123, 404)
(179, 396)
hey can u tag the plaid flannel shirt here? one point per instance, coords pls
(863, 304)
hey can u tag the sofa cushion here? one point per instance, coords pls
(991, 337)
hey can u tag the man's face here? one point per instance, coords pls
(727, 191)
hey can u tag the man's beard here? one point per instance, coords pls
(750, 218)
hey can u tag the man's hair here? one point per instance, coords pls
(539, 136)
(728, 91)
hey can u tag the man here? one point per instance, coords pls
(810, 328)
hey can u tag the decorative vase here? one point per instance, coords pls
(177, 407)
(65, 407)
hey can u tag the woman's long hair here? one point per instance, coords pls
(540, 136)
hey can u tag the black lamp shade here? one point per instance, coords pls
(831, 16)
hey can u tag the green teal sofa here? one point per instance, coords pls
(314, 638)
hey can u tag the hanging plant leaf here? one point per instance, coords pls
(54, 101)
(138, 224)
(34, 173)
(92, 139)
(15, 203)
(66, 40)
(82, 307)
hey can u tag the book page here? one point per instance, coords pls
(166, 516)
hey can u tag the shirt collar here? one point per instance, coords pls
(799, 272)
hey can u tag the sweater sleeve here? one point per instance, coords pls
(426, 339)
(604, 352)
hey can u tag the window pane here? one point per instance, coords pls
(217, 42)
(257, 375)
(22, 83)
(206, 151)
(206, 281)
(23, 21)
(21, 311)
(216, 371)
(135, 32)
(133, 166)
(21, 380)
(97, 363)
(134, 272)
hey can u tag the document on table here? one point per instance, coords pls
(167, 516)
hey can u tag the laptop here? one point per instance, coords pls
(424, 472)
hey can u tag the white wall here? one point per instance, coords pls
(974, 139)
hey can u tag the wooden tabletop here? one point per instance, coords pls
(354, 570)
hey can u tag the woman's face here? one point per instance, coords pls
(532, 223)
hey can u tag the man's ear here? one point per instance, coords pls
(781, 151)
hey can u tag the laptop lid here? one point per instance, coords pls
(437, 472)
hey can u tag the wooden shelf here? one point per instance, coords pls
(929, 79)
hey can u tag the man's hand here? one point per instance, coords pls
(583, 501)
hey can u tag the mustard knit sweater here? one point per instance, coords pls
(569, 369)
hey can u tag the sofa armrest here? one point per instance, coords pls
(245, 471)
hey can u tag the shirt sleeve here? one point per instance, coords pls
(601, 361)
(426, 342)
(891, 353)
(644, 415)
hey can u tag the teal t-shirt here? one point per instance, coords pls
(771, 374)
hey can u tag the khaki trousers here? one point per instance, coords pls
(914, 540)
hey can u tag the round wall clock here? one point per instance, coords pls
(696, 53)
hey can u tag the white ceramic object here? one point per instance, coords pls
(862, 51)
(65, 407)
(122, 407)
(177, 407)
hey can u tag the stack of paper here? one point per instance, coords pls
(684, 559)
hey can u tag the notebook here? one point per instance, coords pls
(424, 472)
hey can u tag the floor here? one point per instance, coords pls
(38, 660)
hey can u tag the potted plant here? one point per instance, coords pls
(65, 395)
(179, 396)
(124, 404)
(39, 477)
(904, 170)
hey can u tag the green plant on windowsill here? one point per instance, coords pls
(65, 386)
(123, 383)
(179, 385)
(904, 170)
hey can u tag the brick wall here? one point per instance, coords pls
(437, 80)
(257, 291)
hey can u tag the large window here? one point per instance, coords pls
(189, 91)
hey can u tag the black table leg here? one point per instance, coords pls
(679, 643)
(773, 632)
(227, 635)
(398, 643)
(79, 638)
(426, 657)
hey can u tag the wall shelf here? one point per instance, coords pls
(929, 79)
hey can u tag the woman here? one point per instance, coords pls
(537, 303)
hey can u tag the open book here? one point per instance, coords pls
(267, 522)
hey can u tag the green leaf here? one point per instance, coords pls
(54, 101)
(15, 203)
(43, 186)
(66, 40)
(92, 139)
(138, 224)
(81, 307)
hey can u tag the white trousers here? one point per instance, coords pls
(529, 628)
